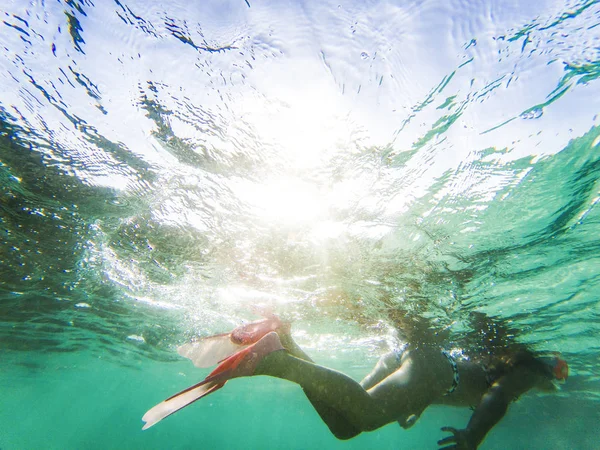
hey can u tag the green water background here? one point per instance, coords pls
(111, 254)
(75, 401)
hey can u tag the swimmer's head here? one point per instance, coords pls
(555, 370)
(558, 367)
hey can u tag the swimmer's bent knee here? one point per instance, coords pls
(344, 435)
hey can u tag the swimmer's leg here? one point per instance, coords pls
(290, 345)
(387, 364)
(346, 407)
(331, 391)
(423, 377)
(337, 423)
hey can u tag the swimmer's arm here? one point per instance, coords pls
(494, 404)
(489, 412)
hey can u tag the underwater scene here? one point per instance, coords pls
(361, 169)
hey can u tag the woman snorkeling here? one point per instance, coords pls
(400, 387)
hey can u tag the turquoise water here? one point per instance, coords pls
(172, 170)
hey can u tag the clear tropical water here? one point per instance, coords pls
(169, 169)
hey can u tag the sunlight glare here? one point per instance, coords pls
(288, 201)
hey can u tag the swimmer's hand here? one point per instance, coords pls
(459, 441)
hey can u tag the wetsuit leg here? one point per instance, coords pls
(337, 423)
(387, 364)
(422, 377)
(330, 387)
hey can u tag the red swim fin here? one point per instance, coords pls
(209, 351)
(242, 363)
(179, 401)
(213, 382)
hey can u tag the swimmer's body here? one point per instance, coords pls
(400, 387)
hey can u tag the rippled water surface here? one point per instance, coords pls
(171, 169)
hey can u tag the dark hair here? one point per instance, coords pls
(522, 358)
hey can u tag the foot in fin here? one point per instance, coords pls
(240, 364)
(208, 351)
(254, 331)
